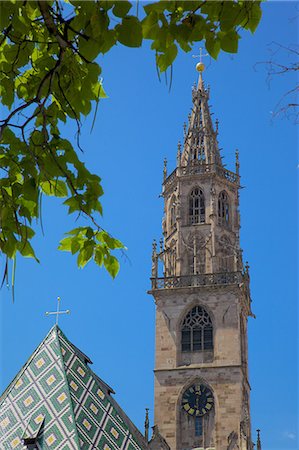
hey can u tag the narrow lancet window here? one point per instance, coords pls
(197, 331)
(196, 207)
(172, 213)
(196, 254)
(198, 426)
(223, 209)
(172, 216)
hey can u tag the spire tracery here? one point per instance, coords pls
(200, 144)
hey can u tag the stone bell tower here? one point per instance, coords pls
(201, 292)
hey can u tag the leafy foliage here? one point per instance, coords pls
(48, 75)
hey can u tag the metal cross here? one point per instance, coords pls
(58, 312)
(200, 56)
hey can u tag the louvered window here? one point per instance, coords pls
(223, 209)
(196, 207)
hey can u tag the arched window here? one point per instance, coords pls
(197, 331)
(223, 209)
(196, 206)
(198, 149)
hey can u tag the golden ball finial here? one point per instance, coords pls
(200, 67)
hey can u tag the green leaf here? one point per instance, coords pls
(76, 244)
(197, 25)
(89, 233)
(150, 25)
(89, 47)
(76, 231)
(30, 205)
(85, 254)
(112, 265)
(121, 8)
(26, 232)
(81, 260)
(229, 41)
(10, 246)
(7, 93)
(89, 246)
(30, 189)
(57, 188)
(232, 15)
(37, 137)
(213, 45)
(160, 42)
(130, 32)
(212, 9)
(112, 243)
(108, 39)
(166, 59)
(182, 34)
(26, 250)
(99, 91)
(97, 22)
(255, 15)
(73, 203)
(65, 244)
(99, 255)
(7, 10)
(22, 91)
(156, 6)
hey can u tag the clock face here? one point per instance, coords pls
(197, 400)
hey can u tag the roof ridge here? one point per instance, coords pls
(76, 349)
(58, 330)
(86, 358)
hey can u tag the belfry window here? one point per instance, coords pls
(223, 209)
(196, 207)
(197, 331)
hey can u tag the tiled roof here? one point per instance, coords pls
(58, 402)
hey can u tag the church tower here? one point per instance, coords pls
(201, 292)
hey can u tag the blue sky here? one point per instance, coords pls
(137, 126)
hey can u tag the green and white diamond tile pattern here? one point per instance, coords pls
(59, 397)
(39, 392)
(99, 424)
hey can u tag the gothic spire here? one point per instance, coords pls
(258, 442)
(201, 139)
(146, 424)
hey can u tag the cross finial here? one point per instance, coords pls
(200, 67)
(58, 312)
(201, 55)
